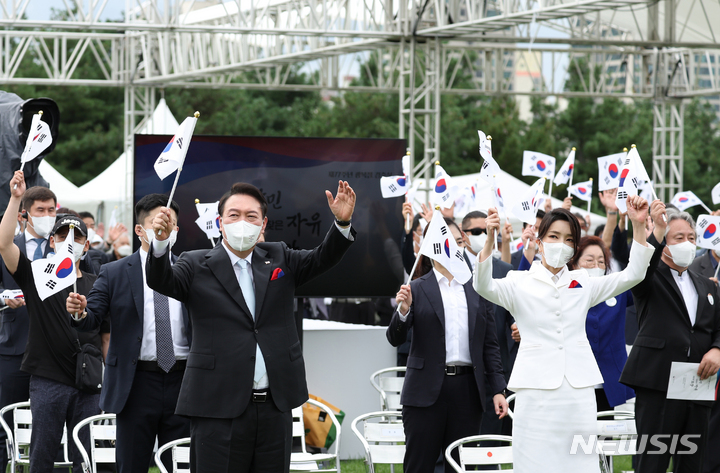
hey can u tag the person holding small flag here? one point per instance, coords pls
(454, 348)
(555, 367)
(53, 344)
(149, 344)
(245, 370)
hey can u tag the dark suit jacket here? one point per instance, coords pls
(118, 293)
(15, 324)
(219, 375)
(703, 266)
(665, 334)
(426, 361)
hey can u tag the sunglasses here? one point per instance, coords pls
(475, 231)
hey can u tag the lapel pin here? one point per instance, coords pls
(711, 300)
(267, 262)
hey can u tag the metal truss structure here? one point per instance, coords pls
(660, 50)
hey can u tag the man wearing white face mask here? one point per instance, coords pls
(53, 344)
(38, 210)
(679, 321)
(245, 372)
(149, 344)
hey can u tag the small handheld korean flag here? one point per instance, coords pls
(564, 175)
(582, 190)
(639, 166)
(526, 209)
(516, 245)
(38, 140)
(687, 199)
(209, 219)
(55, 273)
(627, 185)
(645, 190)
(498, 195)
(397, 186)
(716, 194)
(173, 156)
(609, 171)
(442, 194)
(708, 232)
(490, 167)
(538, 164)
(439, 245)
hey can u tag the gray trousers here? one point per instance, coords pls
(54, 404)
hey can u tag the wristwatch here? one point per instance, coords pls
(343, 223)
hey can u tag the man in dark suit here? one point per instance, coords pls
(149, 345)
(454, 347)
(38, 207)
(679, 318)
(245, 372)
(474, 235)
(705, 265)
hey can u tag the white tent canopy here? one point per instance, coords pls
(109, 190)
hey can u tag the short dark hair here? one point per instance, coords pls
(150, 202)
(585, 242)
(599, 230)
(36, 193)
(539, 214)
(472, 215)
(66, 211)
(451, 223)
(243, 188)
(84, 215)
(416, 222)
(561, 214)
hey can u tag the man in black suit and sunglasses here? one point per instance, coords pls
(474, 234)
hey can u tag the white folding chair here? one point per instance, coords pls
(382, 437)
(18, 437)
(180, 456)
(99, 432)
(304, 461)
(510, 412)
(389, 385)
(617, 436)
(474, 455)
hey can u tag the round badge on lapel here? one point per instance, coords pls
(612, 302)
(711, 300)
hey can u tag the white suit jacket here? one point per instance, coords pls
(551, 318)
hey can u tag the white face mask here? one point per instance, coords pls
(595, 272)
(557, 254)
(42, 225)
(150, 236)
(172, 238)
(497, 254)
(477, 242)
(78, 251)
(242, 235)
(683, 253)
(124, 250)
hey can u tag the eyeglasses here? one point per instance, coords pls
(475, 231)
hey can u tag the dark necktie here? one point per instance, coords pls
(163, 333)
(38, 250)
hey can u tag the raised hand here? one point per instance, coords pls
(343, 204)
(75, 303)
(567, 203)
(17, 184)
(657, 212)
(607, 199)
(162, 224)
(404, 299)
(427, 212)
(116, 230)
(637, 209)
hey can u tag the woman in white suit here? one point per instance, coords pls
(555, 371)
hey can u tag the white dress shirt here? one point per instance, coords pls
(688, 291)
(31, 245)
(148, 349)
(160, 246)
(555, 277)
(457, 338)
(262, 383)
(473, 259)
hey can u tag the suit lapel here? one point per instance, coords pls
(135, 276)
(538, 272)
(430, 287)
(262, 267)
(473, 309)
(219, 263)
(701, 296)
